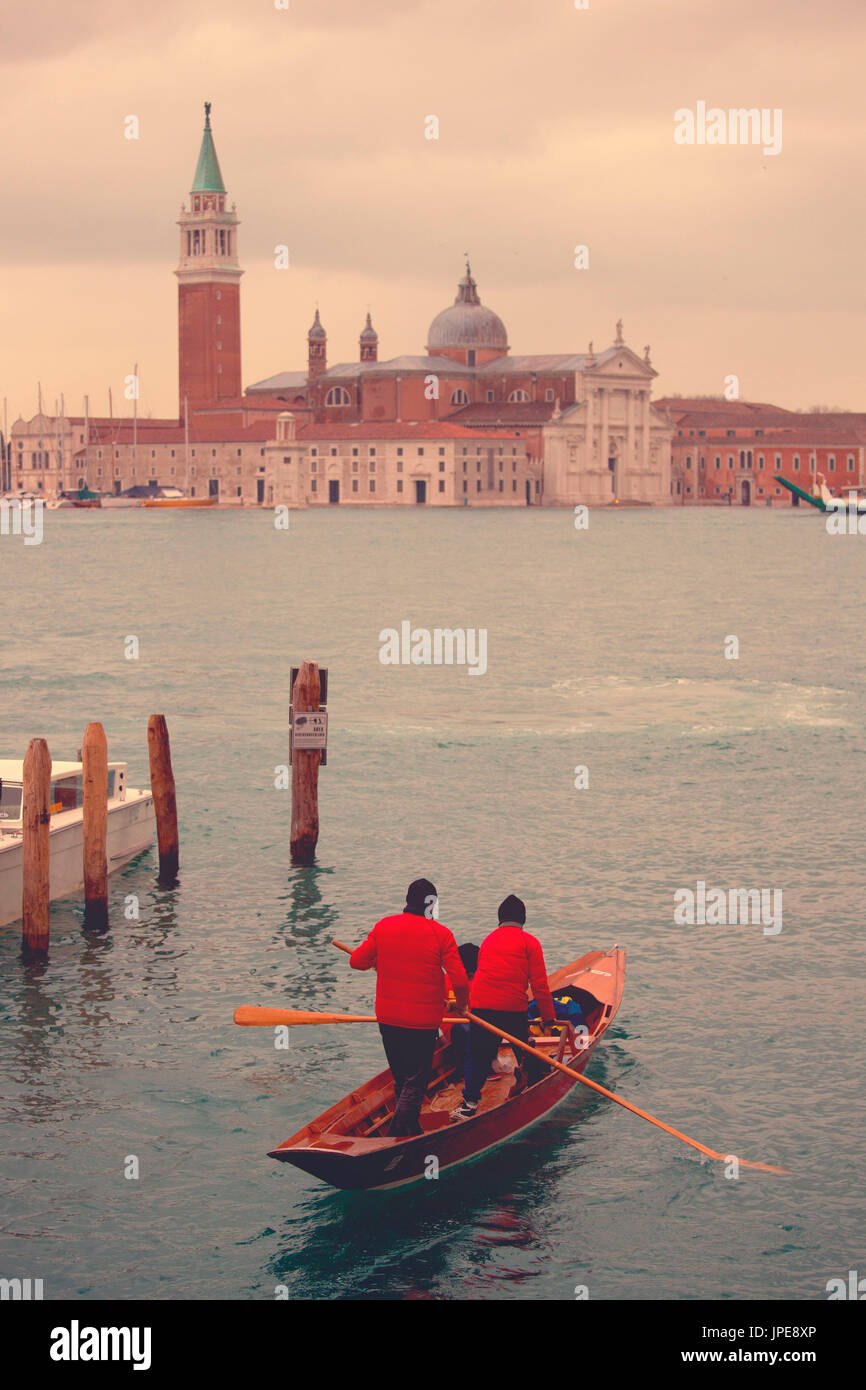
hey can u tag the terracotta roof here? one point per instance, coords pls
(681, 407)
(533, 413)
(395, 429)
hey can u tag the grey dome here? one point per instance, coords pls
(368, 332)
(317, 331)
(467, 323)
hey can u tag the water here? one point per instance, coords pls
(606, 649)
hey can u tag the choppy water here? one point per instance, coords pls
(605, 649)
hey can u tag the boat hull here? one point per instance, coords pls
(130, 832)
(389, 1163)
(179, 502)
(332, 1150)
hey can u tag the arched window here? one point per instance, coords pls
(459, 397)
(338, 395)
(519, 395)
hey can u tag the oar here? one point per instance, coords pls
(251, 1014)
(603, 1091)
(627, 1105)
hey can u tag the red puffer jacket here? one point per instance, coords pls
(511, 960)
(410, 954)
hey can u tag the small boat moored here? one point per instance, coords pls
(130, 829)
(173, 497)
(345, 1145)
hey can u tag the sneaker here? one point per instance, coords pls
(464, 1111)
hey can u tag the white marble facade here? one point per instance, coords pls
(611, 446)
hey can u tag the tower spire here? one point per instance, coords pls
(208, 176)
(368, 343)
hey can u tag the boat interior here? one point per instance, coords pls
(66, 792)
(366, 1113)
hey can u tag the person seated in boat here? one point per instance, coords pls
(410, 951)
(458, 1034)
(510, 962)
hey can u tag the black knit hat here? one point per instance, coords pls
(419, 897)
(511, 909)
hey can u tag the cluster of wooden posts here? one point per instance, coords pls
(306, 698)
(37, 827)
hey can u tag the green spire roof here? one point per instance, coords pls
(208, 178)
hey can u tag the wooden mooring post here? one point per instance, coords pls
(164, 799)
(36, 814)
(306, 695)
(94, 758)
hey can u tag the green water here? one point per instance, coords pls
(605, 650)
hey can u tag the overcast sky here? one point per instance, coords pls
(556, 128)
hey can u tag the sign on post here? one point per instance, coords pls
(310, 730)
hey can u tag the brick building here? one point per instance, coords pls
(732, 449)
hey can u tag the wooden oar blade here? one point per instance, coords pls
(254, 1015)
(764, 1167)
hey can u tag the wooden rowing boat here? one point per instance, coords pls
(346, 1147)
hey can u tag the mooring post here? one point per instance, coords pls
(94, 758)
(164, 800)
(306, 693)
(35, 850)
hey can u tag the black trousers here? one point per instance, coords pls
(483, 1047)
(410, 1057)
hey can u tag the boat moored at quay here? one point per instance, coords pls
(130, 829)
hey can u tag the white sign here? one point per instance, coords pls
(310, 729)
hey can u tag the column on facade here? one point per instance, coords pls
(605, 439)
(645, 448)
(631, 432)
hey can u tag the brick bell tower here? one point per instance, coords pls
(209, 318)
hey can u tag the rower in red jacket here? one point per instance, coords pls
(410, 951)
(509, 963)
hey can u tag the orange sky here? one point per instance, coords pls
(556, 129)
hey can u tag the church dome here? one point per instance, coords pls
(467, 323)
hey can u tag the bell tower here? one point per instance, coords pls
(209, 318)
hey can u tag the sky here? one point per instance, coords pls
(555, 130)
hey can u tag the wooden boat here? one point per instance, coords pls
(130, 829)
(173, 497)
(345, 1145)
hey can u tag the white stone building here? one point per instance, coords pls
(611, 445)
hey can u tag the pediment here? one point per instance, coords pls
(621, 362)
